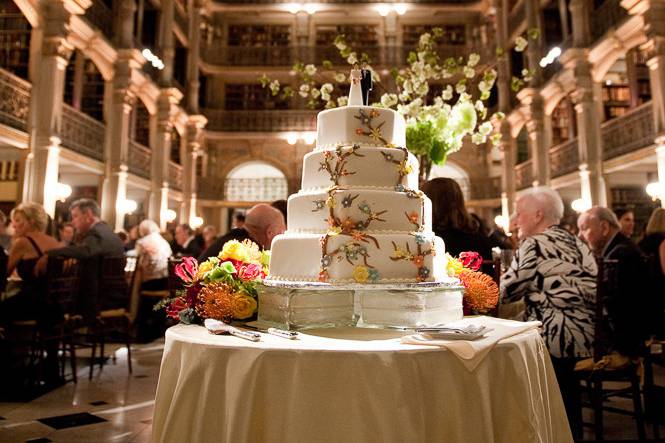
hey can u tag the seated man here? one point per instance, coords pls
(626, 308)
(262, 224)
(555, 273)
(188, 244)
(96, 241)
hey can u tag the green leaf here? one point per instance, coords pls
(412, 58)
(438, 152)
(327, 64)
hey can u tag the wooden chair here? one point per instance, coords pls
(116, 274)
(594, 378)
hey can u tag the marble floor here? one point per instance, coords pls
(117, 407)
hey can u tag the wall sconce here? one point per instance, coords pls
(62, 191)
(580, 205)
(655, 190)
(170, 215)
(127, 206)
(197, 222)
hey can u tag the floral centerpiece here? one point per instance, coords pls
(223, 288)
(481, 293)
(444, 101)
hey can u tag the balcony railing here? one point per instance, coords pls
(288, 55)
(524, 175)
(262, 121)
(629, 132)
(82, 133)
(139, 159)
(175, 176)
(488, 188)
(564, 158)
(9, 170)
(607, 15)
(256, 189)
(14, 100)
(101, 16)
(210, 188)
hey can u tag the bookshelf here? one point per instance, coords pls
(92, 97)
(616, 100)
(252, 96)
(563, 123)
(356, 35)
(14, 39)
(259, 35)
(141, 124)
(452, 34)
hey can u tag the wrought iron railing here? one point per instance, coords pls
(524, 175)
(263, 121)
(139, 159)
(9, 170)
(14, 100)
(288, 55)
(610, 13)
(82, 133)
(175, 176)
(631, 131)
(101, 16)
(255, 189)
(564, 158)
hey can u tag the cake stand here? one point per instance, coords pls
(305, 305)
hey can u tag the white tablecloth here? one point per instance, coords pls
(355, 385)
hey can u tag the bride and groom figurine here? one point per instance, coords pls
(361, 84)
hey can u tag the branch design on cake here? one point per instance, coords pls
(334, 162)
(417, 258)
(368, 129)
(404, 168)
(352, 251)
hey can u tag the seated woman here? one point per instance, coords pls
(153, 252)
(451, 221)
(29, 221)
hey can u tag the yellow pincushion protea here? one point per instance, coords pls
(481, 291)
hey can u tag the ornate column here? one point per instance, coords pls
(302, 22)
(508, 169)
(532, 104)
(116, 150)
(193, 140)
(585, 97)
(124, 34)
(193, 84)
(166, 43)
(46, 103)
(534, 52)
(161, 153)
(580, 12)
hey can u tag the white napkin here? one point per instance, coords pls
(471, 353)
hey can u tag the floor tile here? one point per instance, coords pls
(98, 403)
(71, 420)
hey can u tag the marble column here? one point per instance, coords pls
(46, 106)
(534, 52)
(193, 84)
(532, 104)
(660, 155)
(580, 12)
(79, 80)
(193, 140)
(161, 153)
(166, 44)
(508, 148)
(116, 152)
(585, 98)
(124, 37)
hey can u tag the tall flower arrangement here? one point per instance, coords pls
(436, 127)
(223, 288)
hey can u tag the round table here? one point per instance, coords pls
(357, 385)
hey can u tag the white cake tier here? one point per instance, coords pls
(301, 257)
(360, 124)
(367, 210)
(360, 166)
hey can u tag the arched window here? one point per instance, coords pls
(255, 181)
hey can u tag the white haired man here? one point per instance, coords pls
(555, 273)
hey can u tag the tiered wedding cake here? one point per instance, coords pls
(359, 218)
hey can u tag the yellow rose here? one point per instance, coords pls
(203, 268)
(360, 274)
(234, 250)
(454, 266)
(253, 252)
(243, 307)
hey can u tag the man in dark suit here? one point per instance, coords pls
(188, 244)
(627, 308)
(96, 241)
(262, 224)
(365, 84)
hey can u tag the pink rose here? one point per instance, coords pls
(249, 272)
(471, 260)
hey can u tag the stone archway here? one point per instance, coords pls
(255, 181)
(457, 173)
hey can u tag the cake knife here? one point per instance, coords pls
(218, 327)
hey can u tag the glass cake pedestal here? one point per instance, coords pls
(306, 305)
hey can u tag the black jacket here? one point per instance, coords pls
(239, 234)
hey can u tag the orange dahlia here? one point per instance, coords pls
(481, 291)
(217, 301)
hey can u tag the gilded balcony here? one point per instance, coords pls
(564, 158)
(14, 101)
(524, 175)
(260, 121)
(175, 176)
(82, 133)
(139, 159)
(628, 133)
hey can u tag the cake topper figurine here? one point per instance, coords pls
(355, 93)
(365, 83)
